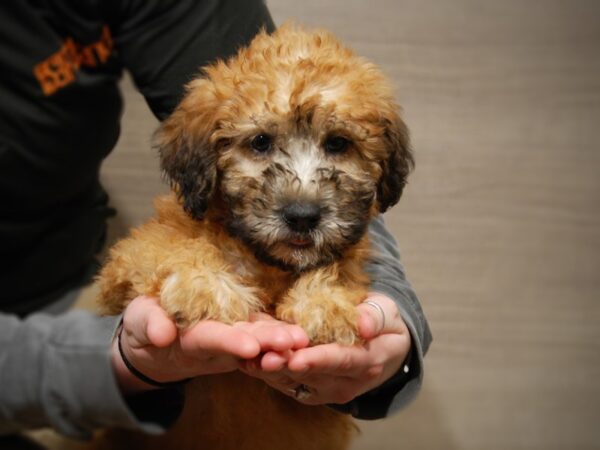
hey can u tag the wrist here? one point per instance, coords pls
(128, 383)
(134, 380)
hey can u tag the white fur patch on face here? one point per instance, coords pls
(304, 158)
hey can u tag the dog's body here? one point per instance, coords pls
(230, 411)
(278, 158)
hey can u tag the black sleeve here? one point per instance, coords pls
(163, 43)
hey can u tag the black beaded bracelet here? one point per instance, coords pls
(140, 375)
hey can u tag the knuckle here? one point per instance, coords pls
(298, 331)
(374, 372)
(282, 336)
(346, 362)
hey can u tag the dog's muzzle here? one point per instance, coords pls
(301, 217)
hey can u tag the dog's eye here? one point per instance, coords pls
(336, 144)
(262, 143)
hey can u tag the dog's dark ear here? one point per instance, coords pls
(397, 165)
(187, 157)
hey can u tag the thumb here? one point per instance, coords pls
(148, 324)
(378, 314)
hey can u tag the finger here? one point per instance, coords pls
(379, 315)
(295, 337)
(276, 335)
(278, 380)
(332, 359)
(272, 336)
(161, 330)
(256, 316)
(274, 362)
(299, 336)
(217, 338)
(148, 324)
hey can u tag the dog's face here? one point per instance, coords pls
(299, 140)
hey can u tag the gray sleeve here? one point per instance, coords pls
(387, 277)
(56, 371)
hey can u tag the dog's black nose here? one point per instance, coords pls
(301, 217)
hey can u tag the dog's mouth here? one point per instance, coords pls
(300, 242)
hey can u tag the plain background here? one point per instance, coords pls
(500, 224)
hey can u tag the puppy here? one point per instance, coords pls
(278, 159)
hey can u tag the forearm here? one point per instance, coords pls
(388, 278)
(57, 372)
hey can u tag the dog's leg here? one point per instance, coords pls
(190, 276)
(324, 303)
(198, 289)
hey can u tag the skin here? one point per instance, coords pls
(338, 374)
(268, 349)
(153, 344)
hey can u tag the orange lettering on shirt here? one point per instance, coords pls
(58, 70)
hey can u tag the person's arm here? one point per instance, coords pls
(67, 372)
(164, 43)
(388, 278)
(369, 381)
(58, 372)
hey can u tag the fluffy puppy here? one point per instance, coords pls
(278, 159)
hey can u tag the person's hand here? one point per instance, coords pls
(154, 345)
(332, 373)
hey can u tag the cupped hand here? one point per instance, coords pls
(154, 345)
(331, 373)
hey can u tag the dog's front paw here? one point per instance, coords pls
(325, 321)
(192, 294)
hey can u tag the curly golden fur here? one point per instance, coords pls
(278, 158)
